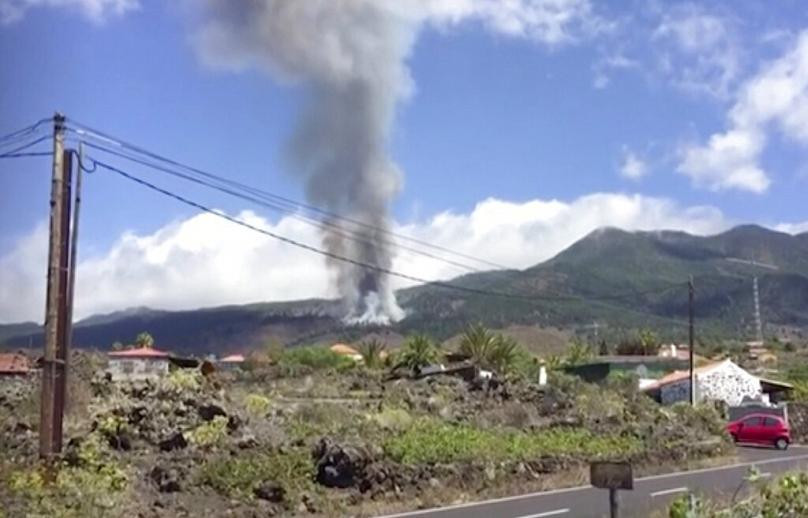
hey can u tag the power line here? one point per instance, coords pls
(361, 264)
(298, 244)
(86, 131)
(332, 227)
(285, 205)
(24, 132)
(11, 153)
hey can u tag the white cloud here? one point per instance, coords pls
(607, 64)
(95, 10)
(551, 22)
(204, 260)
(777, 96)
(633, 167)
(792, 228)
(698, 50)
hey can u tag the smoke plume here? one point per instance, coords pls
(350, 55)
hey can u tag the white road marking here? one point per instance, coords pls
(765, 475)
(669, 491)
(548, 513)
(580, 488)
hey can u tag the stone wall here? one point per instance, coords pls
(798, 420)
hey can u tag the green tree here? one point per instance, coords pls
(373, 352)
(579, 352)
(117, 345)
(418, 352)
(477, 343)
(144, 339)
(649, 342)
(504, 354)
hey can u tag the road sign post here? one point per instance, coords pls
(612, 476)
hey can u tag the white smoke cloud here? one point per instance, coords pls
(206, 261)
(96, 11)
(350, 58)
(775, 97)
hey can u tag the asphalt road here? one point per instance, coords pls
(650, 493)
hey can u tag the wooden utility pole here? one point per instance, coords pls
(690, 290)
(54, 360)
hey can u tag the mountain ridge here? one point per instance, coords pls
(623, 279)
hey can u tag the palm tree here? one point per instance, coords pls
(144, 340)
(418, 352)
(503, 354)
(373, 353)
(477, 343)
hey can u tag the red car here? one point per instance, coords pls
(761, 429)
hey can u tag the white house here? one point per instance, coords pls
(719, 381)
(136, 364)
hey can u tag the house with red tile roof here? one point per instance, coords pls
(14, 364)
(137, 364)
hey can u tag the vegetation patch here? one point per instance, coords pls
(92, 485)
(432, 441)
(316, 358)
(238, 477)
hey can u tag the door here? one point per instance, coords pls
(750, 430)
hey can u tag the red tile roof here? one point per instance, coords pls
(143, 352)
(13, 363)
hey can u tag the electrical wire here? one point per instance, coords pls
(361, 264)
(88, 132)
(15, 135)
(9, 154)
(320, 224)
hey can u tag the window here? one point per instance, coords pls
(753, 421)
(770, 421)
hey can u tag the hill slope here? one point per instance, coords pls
(619, 279)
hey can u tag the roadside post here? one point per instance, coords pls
(613, 476)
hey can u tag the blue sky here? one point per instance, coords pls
(620, 102)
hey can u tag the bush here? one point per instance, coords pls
(92, 486)
(373, 353)
(239, 476)
(208, 434)
(317, 358)
(256, 404)
(431, 441)
(418, 352)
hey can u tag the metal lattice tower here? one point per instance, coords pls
(758, 324)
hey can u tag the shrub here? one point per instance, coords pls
(208, 434)
(239, 476)
(91, 487)
(313, 357)
(429, 441)
(256, 404)
(578, 353)
(180, 380)
(373, 352)
(418, 352)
